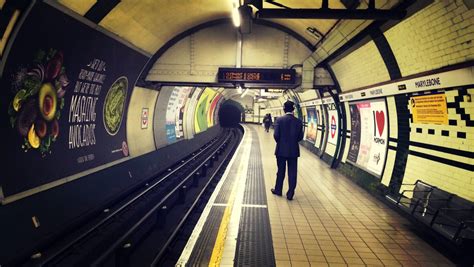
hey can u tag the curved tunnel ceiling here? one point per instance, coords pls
(149, 24)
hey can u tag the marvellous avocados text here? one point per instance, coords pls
(82, 112)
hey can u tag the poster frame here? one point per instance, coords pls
(388, 138)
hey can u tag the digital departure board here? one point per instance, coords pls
(253, 75)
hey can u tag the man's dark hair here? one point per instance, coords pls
(288, 106)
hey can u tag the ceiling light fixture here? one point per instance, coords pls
(314, 33)
(235, 14)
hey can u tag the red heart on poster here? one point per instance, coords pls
(380, 118)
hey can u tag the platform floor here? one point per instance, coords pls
(330, 222)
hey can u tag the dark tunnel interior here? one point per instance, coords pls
(229, 115)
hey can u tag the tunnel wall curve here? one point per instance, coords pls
(80, 133)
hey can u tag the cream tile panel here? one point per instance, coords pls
(439, 35)
(78, 6)
(150, 24)
(140, 141)
(360, 68)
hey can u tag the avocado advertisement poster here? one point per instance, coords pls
(65, 92)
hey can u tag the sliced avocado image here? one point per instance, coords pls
(33, 139)
(47, 101)
(19, 98)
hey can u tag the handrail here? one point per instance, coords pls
(121, 208)
(125, 236)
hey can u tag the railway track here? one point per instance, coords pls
(145, 227)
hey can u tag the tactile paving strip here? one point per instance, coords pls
(224, 193)
(254, 243)
(204, 246)
(203, 250)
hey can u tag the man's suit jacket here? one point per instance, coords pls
(288, 132)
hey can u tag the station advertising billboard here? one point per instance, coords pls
(64, 98)
(333, 123)
(321, 122)
(175, 113)
(218, 107)
(202, 109)
(190, 110)
(369, 134)
(298, 112)
(212, 109)
(312, 128)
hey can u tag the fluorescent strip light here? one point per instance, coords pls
(236, 16)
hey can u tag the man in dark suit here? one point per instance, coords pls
(288, 132)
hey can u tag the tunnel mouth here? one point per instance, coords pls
(230, 115)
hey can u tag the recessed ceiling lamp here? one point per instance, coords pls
(239, 89)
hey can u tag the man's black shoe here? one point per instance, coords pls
(275, 192)
(289, 197)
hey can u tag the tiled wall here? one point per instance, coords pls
(344, 31)
(362, 67)
(439, 154)
(140, 139)
(441, 34)
(392, 145)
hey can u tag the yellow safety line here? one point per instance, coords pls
(218, 249)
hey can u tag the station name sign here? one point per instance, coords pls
(254, 75)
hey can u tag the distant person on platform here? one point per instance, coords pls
(267, 122)
(288, 132)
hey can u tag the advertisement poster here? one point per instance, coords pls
(321, 122)
(216, 110)
(190, 110)
(65, 93)
(298, 112)
(183, 96)
(210, 117)
(175, 113)
(312, 129)
(355, 133)
(369, 135)
(333, 123)
(202, 108)
(429, 109)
